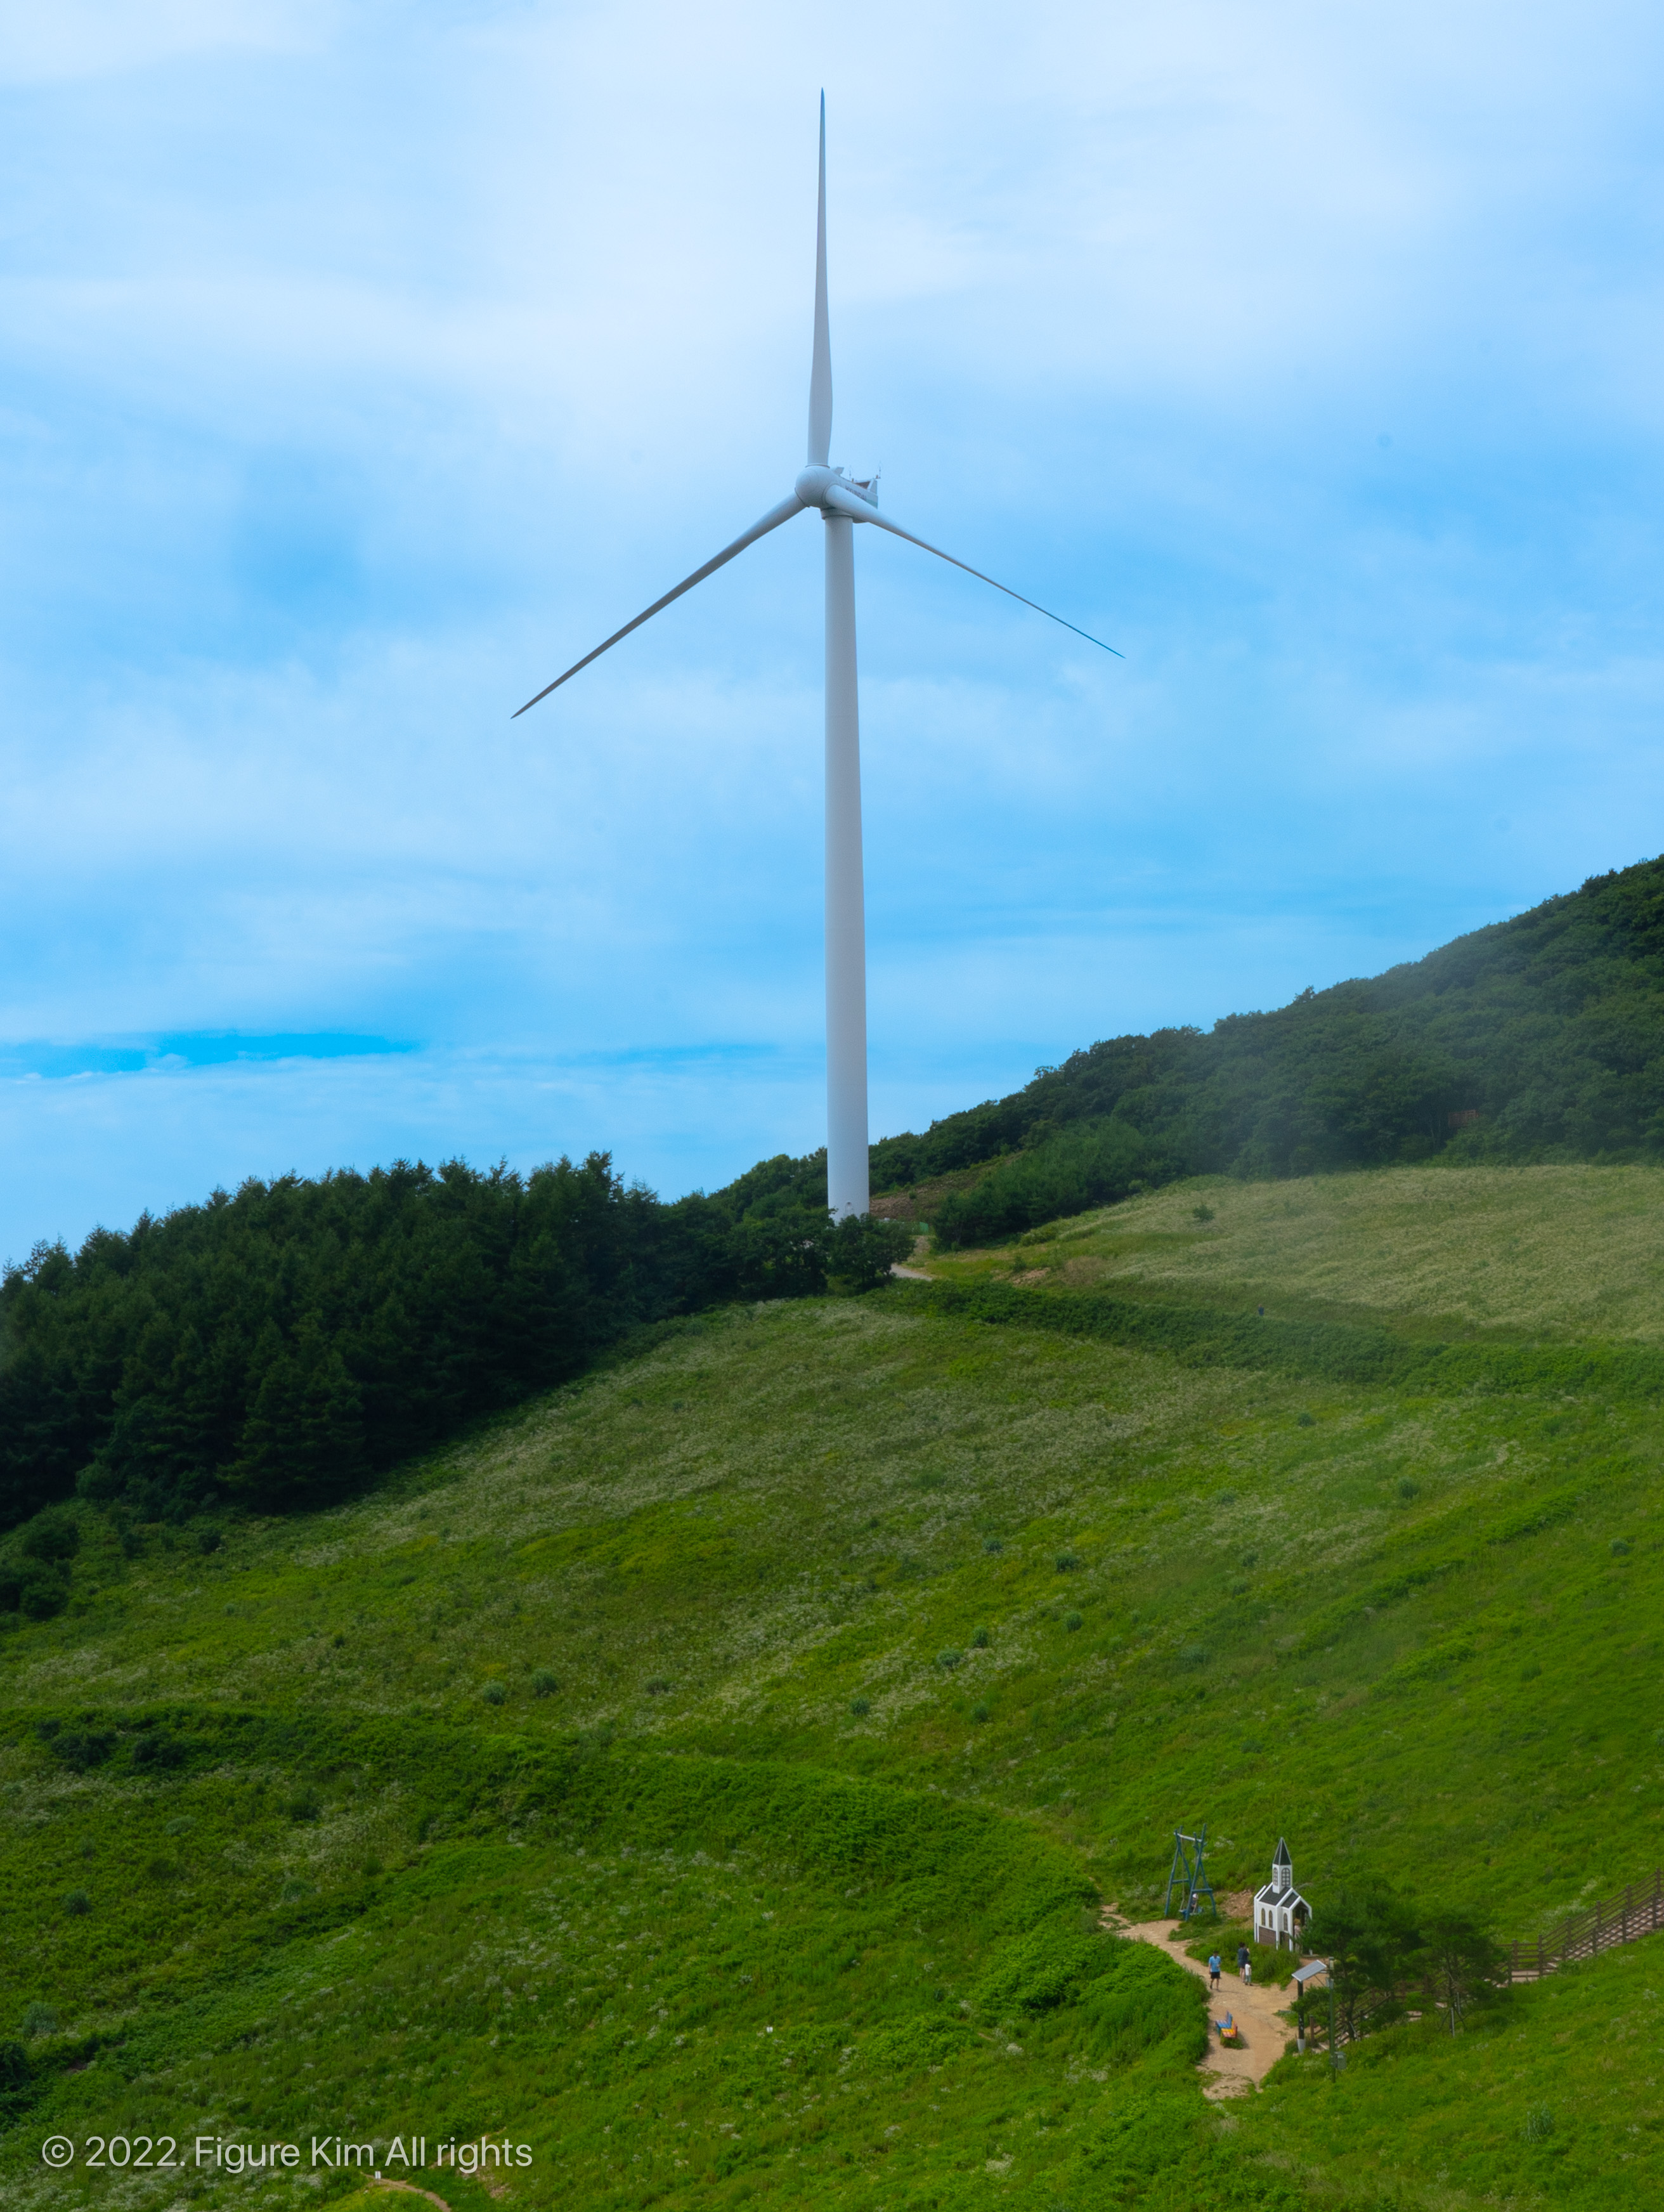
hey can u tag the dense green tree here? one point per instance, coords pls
(303, 1441)
(780, 1256)
(1461, 1963)
(1369, 1936)
(863, 1250)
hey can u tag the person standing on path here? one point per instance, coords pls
(1244, 1963)
(1213, 1972)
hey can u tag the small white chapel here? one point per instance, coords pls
(1280, 1913)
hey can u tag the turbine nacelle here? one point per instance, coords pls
(827, 489)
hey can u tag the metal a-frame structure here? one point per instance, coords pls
(1188, 1876)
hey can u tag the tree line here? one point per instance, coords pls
(1540, 1038)
(279, 1344)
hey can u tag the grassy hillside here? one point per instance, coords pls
(1525, 1255)
(819, 1668)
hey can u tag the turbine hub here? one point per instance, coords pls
(815, 481)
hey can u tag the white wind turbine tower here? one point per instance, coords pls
(841, 502)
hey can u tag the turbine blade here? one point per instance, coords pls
(820, 374)
(858, 511)
(772, 520)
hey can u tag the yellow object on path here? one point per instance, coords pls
(1254, 2014)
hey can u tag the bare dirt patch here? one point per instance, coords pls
(1255, 2013)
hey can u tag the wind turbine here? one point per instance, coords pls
(841, 502)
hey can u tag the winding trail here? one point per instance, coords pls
(1256, 2012)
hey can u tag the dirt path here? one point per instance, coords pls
(1255, 2012)
(411, 2190)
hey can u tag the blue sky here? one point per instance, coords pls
(364, 365)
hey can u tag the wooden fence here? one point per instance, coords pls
(1638, 1912)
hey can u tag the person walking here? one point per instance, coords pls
(1213, 1971)
(1244, 1964)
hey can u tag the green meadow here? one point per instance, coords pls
(711, 1775)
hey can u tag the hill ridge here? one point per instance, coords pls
(1537, 1038)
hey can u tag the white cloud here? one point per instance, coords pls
(73, 39)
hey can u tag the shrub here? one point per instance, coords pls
(1072, 1620)
(864, 1250)
(1038, 1971)
(14, 2066)
(77, 1901)
(39, 2019)
(658, 1686)
(980, 1638)
(980, 1712)
(859, 1707)
(993, 1545)
(948, 1660)
(1201, 1212)
(81, 1749)
(1619, 1548)
(303, 1805)
(1539, 2124)
(42, 1592)
(53, 1535)
(1075, 1169)
(1408, 1489)
(493, 1693)
(544, 1683)
(1302, 1420)
(158, 1750)
(1066, 1563)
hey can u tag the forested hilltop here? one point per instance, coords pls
(1539, 1039)
(278, 1345)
